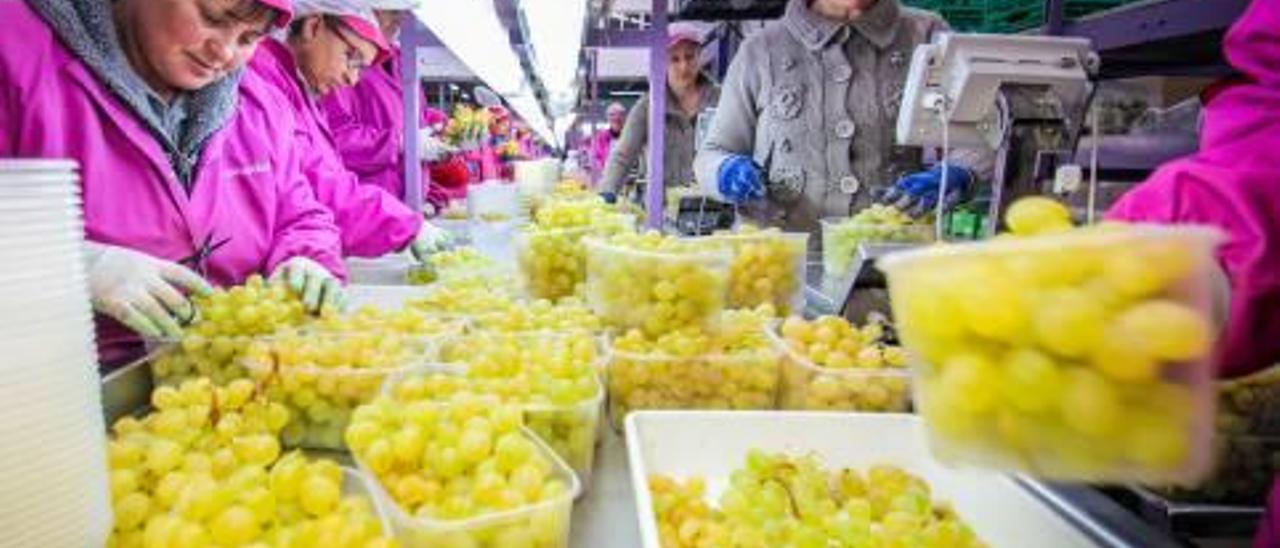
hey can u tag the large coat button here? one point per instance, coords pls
(845, 129)
(842, 73)
(850, 184)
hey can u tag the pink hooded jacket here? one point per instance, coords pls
(367, 123)
(247, 190)
(601, 143)
(1233, 183)
(372, 221)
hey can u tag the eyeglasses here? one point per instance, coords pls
(355, 60)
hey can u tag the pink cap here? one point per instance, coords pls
(683, 32)
(284, 7)
(369, 31)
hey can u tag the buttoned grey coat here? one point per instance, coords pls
(815, 102)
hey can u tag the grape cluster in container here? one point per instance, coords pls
(1082, 354)
(829, 364)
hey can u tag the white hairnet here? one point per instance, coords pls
(359, 8)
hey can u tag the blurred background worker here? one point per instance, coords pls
(367, 119)
(328, 45)
(690, 91)
(808, 114)
(182, 176)
(601, 143)
(1233, 183)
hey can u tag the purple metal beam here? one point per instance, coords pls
(412, 36)
(612, 38)
(1153, 21)
(655, 192)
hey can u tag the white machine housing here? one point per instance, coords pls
(961, 74)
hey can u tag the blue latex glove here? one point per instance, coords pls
(609, 197)
(918, 193)
(739, 179)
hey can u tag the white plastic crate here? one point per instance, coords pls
(711, 444)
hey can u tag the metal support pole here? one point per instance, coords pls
(655, 192)
(411, 35)
(1053, 16)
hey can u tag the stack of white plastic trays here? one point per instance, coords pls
(53, 466)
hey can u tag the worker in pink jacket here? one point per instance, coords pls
(367, 119)
(602, 141)
(180, 174)
(327, 46)
(1233, 183)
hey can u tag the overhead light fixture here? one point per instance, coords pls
(472, 31)
(556, 29)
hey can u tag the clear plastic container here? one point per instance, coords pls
(746, 380)
(357, 484)
(553, 263)
(1084, 356)
(768, 268)
(657, 292)
(542, 525)
(217, 358)
(808, 386)
(321, 398)
(841, 238)
(570, 429)
(1244, 467)
(388, 270)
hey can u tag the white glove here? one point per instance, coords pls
(319, 289)
(431, 239)
(432, 148)
(141, 291)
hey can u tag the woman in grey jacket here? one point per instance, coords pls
(808, 113)
(689, 92)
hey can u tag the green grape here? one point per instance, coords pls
(875, 224)
(830, 364)
(655, 283)
(475, 463)
(779, 500)
(732, 367)
(1036, 215)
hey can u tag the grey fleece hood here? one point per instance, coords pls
(87, 29)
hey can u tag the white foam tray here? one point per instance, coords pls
(712, 444)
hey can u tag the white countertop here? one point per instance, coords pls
(605, 517)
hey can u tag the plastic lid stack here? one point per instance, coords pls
(53, 466)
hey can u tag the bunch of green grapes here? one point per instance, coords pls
(458, 459)
(731, 367)
(197, 435)
(542, 315)
(407, 321)
(655, 283)
(1076, 355)
(554, 378)
(768, 268)
(226, 321)
(781, 500)
(463, 298)
(685, 520)
(322, 377)
(551, 254)
(571, 212)
(830, 364)
(875, 224)
(461, 258)
(296, 503)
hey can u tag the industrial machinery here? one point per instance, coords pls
(1018, 99)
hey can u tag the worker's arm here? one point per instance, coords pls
(733, 132)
